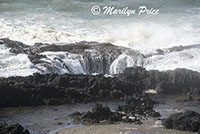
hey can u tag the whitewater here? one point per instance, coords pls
(69, 21)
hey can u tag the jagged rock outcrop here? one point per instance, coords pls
(15, 46)
(12, 129)
(173, 49)
(166, 82)
(140, 105)
(131, 111)
(101, 114)
(68, 88)
(187, 121)
(77, 58)
(60, 89)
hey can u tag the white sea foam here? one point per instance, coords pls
(182, 59)
(124, 61)
(143, 36)
(30, 34)
(147, 36)
(14, 65)
(92, 63)
(66, 62)
(60, 22)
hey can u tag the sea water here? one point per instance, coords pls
(68, 21)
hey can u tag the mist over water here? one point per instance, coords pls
(64, 21)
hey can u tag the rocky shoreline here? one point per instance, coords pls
(54, 89)
(90, 57)
(57, 86)
(132, 111)
(52, 119)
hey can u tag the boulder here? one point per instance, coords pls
(139, 104)
(15, 46)
(12, 129)
(186, 121)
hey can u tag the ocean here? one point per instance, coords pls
(69, 21)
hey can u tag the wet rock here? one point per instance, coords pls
(1, 42)
(104, 94)
(187, 121)
(36, 58)
(12, 129)
(100, 114)
(159, 51)
(94, 57)
(115, 117)
(60, 123)
(169, 82)
(136, 105)
(176, 48)
(131, 119)
(54, 89)
(98, 58)
(152, 113)
(15, 46)
(139, 104)
(116, 94)
(190, 98)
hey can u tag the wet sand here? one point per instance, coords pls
(149, 127)
(55, 119)
(45, 119)
(167, 106)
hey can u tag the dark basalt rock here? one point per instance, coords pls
(54, 89)
(12, 129)
(97, 57)
(190, 98)
(173, 49)
(15, 46)
(139, 104)
(181, 81)
(168, 82)
(187, 121)
(100, 114)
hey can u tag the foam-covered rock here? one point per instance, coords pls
(77, 58)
